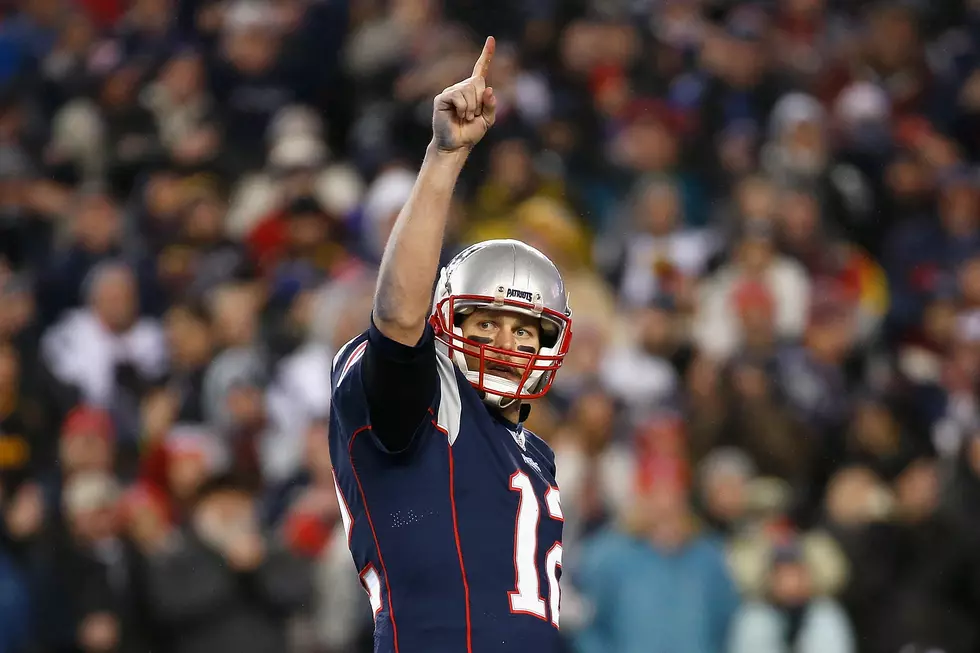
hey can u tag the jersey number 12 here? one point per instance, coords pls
(526, 597)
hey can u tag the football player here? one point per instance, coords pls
(451, 507)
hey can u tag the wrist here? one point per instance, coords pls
(447, 158)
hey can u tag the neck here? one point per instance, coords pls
(672, 534)
(512, 413)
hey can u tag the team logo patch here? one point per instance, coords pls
(519, 438)
(513, 293)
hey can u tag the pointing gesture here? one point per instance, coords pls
(463, 113)
(482, 66)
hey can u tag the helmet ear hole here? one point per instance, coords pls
(460, 315)
(549, 334)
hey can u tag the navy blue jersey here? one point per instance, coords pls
(457, 539)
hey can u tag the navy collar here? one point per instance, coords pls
(522, 417)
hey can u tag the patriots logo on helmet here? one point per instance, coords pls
(513, 293)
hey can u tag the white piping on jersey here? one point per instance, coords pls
(342, 354)
(354, 357)
(450, 405)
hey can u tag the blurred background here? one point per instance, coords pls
(768, 217)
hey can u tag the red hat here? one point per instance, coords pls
(604, 76)
(650, 110)
(89, 421)
(145, 495)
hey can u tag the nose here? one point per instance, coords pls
(505, 340)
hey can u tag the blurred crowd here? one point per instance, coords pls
(768, 217)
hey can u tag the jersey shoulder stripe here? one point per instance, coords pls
(355, 356)
(450, 401)
(347, 357)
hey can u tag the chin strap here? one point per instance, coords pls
(499, 402)
(503, 404)
(525, 411)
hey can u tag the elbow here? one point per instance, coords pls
(401, 323)
(400, 328)
(390, 314)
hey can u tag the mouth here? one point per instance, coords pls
(504, 371)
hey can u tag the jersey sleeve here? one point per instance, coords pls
(397, 384)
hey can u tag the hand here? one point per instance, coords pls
(245, 551)
(751, 383)
(850, 496)
(159, 411)
(970, 93)
(148, 529)
(463, 113)
(685, 291)
(319, 501)
(26, 512)
(735, 152)
(98, 632)
(209, 18)
(196, 145)
(47, 198)
(702, 379)
(246, 406)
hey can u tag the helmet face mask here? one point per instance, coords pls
(537, 369)
(482, 277)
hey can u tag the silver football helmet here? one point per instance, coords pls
(506, 275)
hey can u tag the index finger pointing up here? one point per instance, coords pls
(482, 66)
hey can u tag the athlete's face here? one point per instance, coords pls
(505, 330)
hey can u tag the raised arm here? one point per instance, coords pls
(461, 115)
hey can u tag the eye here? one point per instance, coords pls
(486, 325)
